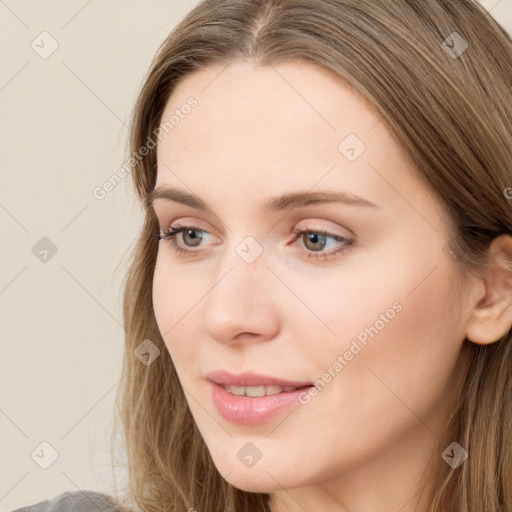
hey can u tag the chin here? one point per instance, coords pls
(260, 481)
(262, 477)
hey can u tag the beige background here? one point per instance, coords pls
(63, 130)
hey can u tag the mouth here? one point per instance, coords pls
(263, 390)
(251, 399)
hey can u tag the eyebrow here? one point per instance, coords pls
(276, 204)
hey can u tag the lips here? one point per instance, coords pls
(246, 410)
(245, 379)
(250, 398)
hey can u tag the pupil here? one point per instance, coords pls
(315, 238)
(191, 233)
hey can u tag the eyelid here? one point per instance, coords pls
(333, 231)
(185, 223)
(197, 224)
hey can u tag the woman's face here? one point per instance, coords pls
(373, 317)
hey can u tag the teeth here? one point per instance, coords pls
(255, 391)
(236, 390)
(274, 389)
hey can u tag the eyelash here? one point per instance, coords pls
(171, 234)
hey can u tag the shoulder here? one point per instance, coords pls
(74, 501)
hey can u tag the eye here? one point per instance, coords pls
(314, 241)
(189, 232)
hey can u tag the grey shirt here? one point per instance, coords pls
(74, 501)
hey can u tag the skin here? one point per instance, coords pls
(363, 442)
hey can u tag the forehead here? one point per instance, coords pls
(291, 125)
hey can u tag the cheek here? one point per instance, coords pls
(395, 293)
(174, 302)
(176, 291)
(399, 341)
(164, 294)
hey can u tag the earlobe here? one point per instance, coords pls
(491, 317)
(490, 323)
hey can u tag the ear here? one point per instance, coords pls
(491, 317)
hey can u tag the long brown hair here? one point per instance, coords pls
(449, 107)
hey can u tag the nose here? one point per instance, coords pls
(242, 305)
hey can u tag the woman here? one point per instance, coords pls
(319, 304)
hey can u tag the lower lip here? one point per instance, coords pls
(251, 410)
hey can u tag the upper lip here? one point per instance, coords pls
(251, 379)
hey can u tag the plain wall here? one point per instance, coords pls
(63, 130)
